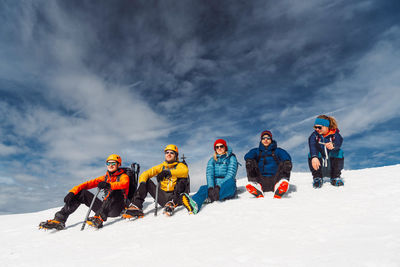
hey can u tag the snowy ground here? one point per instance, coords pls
(355, 225)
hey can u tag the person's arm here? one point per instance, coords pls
(252, 154)
(210, 173)
(146, 175)
(181, 171)
(232, 168)
(87, 185)
(122, 184)
(312, 143)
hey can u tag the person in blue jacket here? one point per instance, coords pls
(268, 168)
(221, 182)
(325, 151)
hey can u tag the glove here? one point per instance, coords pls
(212, 194)
(216, 192)
(69, 197)
(162, 175)
(104, 185)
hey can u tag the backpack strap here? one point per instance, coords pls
(264, 157)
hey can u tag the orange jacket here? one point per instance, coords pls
(123, 183)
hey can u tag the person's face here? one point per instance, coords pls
(112, 166)
(170, 156)
(321, 129)
(220, 149)
(266, 140)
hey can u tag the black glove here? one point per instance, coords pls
(211, 194)
(69, 197)
(104, 185)
(162, 175)
(216, 192)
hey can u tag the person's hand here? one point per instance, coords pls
(211, 194)
(162, 175)
(315, 163)
(104, 185)
(69, 197)
(329, 146)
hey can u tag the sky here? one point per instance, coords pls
(80, 80)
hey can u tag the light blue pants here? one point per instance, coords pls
(227, 190)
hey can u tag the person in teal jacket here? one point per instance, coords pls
(221, 179)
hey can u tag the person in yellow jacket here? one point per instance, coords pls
(115, 184)
(172, 177)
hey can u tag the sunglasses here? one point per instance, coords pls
(169, 152)
(266, 138)
(317, 127)
(218, 147)
(111, 163)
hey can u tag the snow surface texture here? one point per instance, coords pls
(355, 225)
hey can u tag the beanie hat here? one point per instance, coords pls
(266, 132)
(220, 141)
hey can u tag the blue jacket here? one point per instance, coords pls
(223, 169)
(318, 150)
(269, 166)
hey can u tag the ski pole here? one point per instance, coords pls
(156, 199)
(90, 209)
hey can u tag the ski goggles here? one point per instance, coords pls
(111, 163)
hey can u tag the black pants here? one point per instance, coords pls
(267, 182)
(336, 167)
(163, 196)
(111, 207)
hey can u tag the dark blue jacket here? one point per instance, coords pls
(318, 150)
(223, 169)
(269, 166)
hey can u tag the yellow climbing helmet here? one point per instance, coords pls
(172, 147)
(114, 157)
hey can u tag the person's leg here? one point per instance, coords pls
(228, 189)
(201, 196)
(141, 193)
(163, 197)
(337, 165)
(112, 206)
(83, 197)
(315, 173)
(267, 183)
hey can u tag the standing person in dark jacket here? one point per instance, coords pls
(221, 182)
(268, 168)
(325, 143)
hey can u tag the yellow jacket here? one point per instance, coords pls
(177, 169)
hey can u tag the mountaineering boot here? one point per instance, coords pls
(132, 212)
(52, 224)
(255, 189)
(317, 182)
(169, 208)
(281, 188)
(189, 203)
(337, 181)
(95, 221)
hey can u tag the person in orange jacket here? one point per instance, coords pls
(172, 177)
(115, 184)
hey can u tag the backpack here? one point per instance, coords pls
(188, 178)
(133, 174)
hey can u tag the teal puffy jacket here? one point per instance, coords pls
(223, 169)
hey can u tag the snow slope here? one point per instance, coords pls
(356, 225)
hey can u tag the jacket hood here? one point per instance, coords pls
(271, 147)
